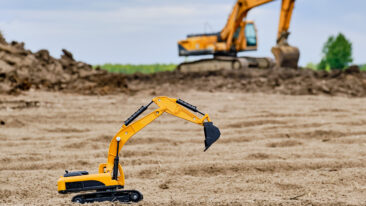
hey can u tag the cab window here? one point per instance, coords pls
(250, 35)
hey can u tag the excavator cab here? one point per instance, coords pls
(245, 37)
(251, 35)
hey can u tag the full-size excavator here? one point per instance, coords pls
(239, 34)
(110, 179)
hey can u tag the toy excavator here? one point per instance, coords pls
(110, 178)
(239, 34)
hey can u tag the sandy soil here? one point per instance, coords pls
(274, 149)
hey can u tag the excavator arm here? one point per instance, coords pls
(287, 7)
(285, 55)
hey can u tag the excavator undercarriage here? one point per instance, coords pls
(226, 63)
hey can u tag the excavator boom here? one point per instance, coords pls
(110, 176)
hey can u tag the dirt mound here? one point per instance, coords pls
(20, 70)
(349, 82)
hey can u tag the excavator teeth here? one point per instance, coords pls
(212, 134)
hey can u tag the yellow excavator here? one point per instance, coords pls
(110, 179)
(239, 34)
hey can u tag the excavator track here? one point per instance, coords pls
(226, 63)
(124, 196)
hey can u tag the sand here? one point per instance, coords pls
(274, 150)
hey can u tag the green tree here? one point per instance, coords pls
(337, 53)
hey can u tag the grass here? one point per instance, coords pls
(313, 66)
(153, 68)
(134, 68)
(363, 67)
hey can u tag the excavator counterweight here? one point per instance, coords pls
(110, 178)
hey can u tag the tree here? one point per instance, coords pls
(337, 53)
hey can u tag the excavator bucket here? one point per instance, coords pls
(212, 134)
(286, 56)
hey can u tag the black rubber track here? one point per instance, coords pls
(125, 196)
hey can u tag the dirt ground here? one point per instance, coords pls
(274, 149)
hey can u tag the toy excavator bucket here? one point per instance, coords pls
(212, 134)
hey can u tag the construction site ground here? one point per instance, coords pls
(275, 149)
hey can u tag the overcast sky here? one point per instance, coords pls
(147, 31)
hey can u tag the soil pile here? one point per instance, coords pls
(349, 82)
(21, 70)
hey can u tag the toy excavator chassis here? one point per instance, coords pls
(110, 177)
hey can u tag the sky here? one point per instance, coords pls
(147, 31)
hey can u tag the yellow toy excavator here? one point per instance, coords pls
(239, 34)
(110, 178)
